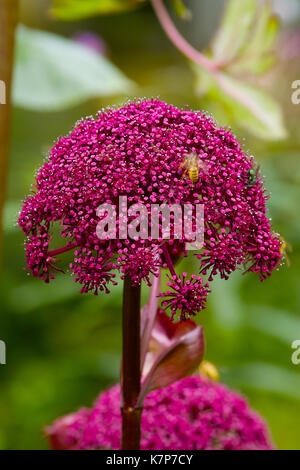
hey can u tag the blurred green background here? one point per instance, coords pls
(63, 348)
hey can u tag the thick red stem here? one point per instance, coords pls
(131, 366)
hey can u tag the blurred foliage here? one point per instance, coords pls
(254, 110)
(53, 73)
(246, 37)
(181, 10)
(78, 9)
(63, 347)
(244, 45)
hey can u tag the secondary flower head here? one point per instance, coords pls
(141, 152)
(186, 296)
(190, 414)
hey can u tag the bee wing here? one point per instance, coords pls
(203, 166)
(258, 171)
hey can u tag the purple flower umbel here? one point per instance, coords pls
(190, 414)
(139, 151)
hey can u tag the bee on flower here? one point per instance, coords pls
(193, 166)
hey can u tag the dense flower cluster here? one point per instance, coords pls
(139, 263)
(37, 257)
(92, 271)
(139, 151)
(191, 414)
(186, 296)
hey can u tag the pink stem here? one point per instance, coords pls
(63, 249)
(168, 260)
(178, 40)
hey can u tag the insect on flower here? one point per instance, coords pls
(284, 247)
(208, 369)
(192, 164)
(252, 173)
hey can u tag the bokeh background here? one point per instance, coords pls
(63, 348)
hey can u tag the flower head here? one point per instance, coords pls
(92, 271)
(139, 263)
(186, 296)
(141, 152)
(191, 414)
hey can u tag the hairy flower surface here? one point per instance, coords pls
(191, 414)
(140, 152)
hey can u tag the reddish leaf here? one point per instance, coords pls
(165, 331)
(176, 351)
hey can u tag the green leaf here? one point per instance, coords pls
(53, 73)
(246, 105)
(234, 29)
(181, 10)
(264, 31)
(258, 54)
(77, 9)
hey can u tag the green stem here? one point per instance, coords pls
(8, 21)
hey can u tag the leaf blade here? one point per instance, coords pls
(258, 56)
(252, 108)
(175, 360)
(54, 73)
(234, 29)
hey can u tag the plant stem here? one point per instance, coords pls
(175, 37)
(169, 260)
(63, 249)
(131, 367)
(8, 21)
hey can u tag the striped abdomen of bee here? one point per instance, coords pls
(191, 165)
(194, 174)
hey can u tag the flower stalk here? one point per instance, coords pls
(131, 366)
(179, 42)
